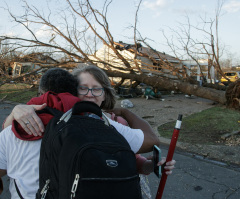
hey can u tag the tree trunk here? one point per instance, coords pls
(174, 85)
(233, 95)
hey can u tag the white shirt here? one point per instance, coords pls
(21, 158)
(134, 137)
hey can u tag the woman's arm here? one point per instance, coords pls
(3, 172)
(135, 122)
(26, 116)
(8, 121)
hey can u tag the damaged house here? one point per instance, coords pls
(30, 62)
(140, 58)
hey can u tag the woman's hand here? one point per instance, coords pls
(148, 165)
(169, 166)
(26, 116)
(116, 111)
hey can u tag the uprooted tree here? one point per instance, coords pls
(75, 33)
(233, 95)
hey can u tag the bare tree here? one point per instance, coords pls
(205, 46)
(77, 31)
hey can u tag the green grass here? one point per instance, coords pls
(205, 127)
(21, 93)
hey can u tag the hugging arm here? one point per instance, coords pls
(2, 173)
(26, 116)
(135, 122)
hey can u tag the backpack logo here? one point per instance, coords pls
(112, 163)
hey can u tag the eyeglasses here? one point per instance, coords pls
(82, 90)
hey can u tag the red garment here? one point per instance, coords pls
(62, 102)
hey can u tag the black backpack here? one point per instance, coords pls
(83, 157)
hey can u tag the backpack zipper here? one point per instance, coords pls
(45, 189)
(74, 186)
(66, 116)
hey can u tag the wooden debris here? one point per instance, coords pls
(3, 98)
(225, 136)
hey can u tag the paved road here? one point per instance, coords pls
(193, 178)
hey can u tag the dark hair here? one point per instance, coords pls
(103, 79)
(58, 80)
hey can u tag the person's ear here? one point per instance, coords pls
(40, 92)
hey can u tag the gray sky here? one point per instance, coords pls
(153, 16)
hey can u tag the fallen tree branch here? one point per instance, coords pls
(174, 85)
(8, 80)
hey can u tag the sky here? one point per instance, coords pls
(153, 17)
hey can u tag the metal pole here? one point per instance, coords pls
(169, 156)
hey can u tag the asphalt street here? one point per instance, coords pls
(193, 177)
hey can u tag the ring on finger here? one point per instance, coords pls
(26, 123)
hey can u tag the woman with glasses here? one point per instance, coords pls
(94, 86)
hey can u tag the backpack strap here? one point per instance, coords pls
(51, 111)
(86, 106)
(18, 192)
(105, 119)
(66, 116)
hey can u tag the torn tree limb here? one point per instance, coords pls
(174, 85)
(8, 80)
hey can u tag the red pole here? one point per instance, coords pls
(169, 156)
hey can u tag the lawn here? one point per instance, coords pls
(205, 127)
(21, 93)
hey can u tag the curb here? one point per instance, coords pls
(184, 149)
(10, 102)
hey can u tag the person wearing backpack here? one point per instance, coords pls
(19, 151)
(106, 101)
(34, 155)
